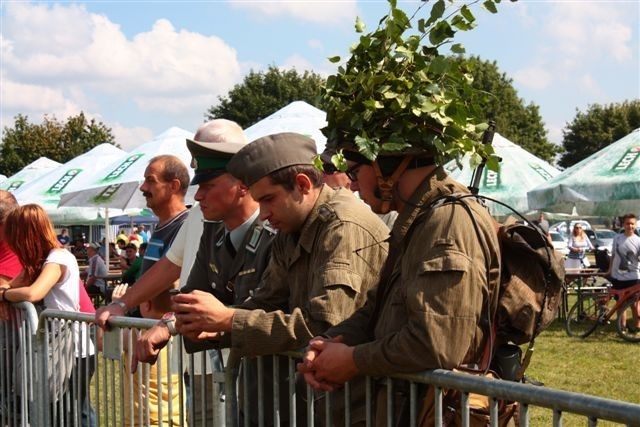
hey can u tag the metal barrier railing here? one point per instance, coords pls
(17, 365)
(183, 390)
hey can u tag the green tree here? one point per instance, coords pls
(499, 101)
(596, 128)
(25, 142)
(262, 93)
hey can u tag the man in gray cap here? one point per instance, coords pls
(324, 260)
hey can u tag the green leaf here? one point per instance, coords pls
(360, 26)
(458, 48)
(436, 11)
(439, 65)
(490, 6)
(466, 12)
(394, 146)
(339, 161)
(334, 59)
(318, 163)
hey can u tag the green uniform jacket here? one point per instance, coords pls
(315, 278)
(431, 317)
(230, 279)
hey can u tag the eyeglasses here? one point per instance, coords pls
(352, 172)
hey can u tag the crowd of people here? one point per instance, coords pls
(278, 255)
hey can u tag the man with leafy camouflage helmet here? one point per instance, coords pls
(437, 289)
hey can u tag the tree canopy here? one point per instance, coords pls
(262, 93)
(499, 101)
(25, 142)
(597, 128)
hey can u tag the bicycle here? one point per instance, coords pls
(594, 308)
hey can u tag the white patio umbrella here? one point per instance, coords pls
(519, 172)
(46, 189)
(298, 117)
(2, 178)
(28, 174)
(607, 183)
(117, 186)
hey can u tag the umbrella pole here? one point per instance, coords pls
(107, 238)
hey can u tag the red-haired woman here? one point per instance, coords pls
(50, 274)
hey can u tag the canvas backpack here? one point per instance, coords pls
(531, 283)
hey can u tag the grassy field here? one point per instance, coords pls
(602, 365)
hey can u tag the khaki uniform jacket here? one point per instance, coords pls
(432, 315)
(229, 278)
(316, 278)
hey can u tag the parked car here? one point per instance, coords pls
(561, 227)
(558, 242)
(601, 238)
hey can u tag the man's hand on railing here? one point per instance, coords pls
(199, 311)
(104, 313)
(330, 363)
(148, 346)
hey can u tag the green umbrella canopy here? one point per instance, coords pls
(606, 183)
(518, 172)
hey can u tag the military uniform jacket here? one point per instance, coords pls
(433, 315)
(315, 278)
(230, 279)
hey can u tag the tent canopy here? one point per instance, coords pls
(298, 117)
(29, 173)
(117, 185)
(519, 171)
(607, 183)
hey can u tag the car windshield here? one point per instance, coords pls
(556, 237)
(605, 234)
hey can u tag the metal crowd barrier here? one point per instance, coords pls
(42, 391)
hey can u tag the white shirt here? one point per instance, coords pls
(185, 245)
(65, 295)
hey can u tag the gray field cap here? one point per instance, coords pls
(269, 154)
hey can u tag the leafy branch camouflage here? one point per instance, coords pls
(398, 92)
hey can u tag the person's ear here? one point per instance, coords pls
(303, 183)
(242, 190)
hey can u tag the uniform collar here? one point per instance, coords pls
(238, 233)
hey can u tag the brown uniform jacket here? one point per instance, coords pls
(315, 278)
(431, 317)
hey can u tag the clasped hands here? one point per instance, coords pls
(327, 363)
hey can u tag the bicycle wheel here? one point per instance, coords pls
(629, 330)
(582, 319)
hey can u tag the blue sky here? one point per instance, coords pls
(141, 67)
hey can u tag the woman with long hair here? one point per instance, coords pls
(579, 244)
(50, 275)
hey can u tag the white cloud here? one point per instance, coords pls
(315, 44)
(35, 100)
(319, 11)
(60, 47)
(591, 30)
(533, 77)
(129, 138)
(300, 63)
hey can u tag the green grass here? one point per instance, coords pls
(601, 365)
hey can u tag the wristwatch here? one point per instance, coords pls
(169, 319)
(121, 304)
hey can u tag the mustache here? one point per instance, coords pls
(146, 194)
